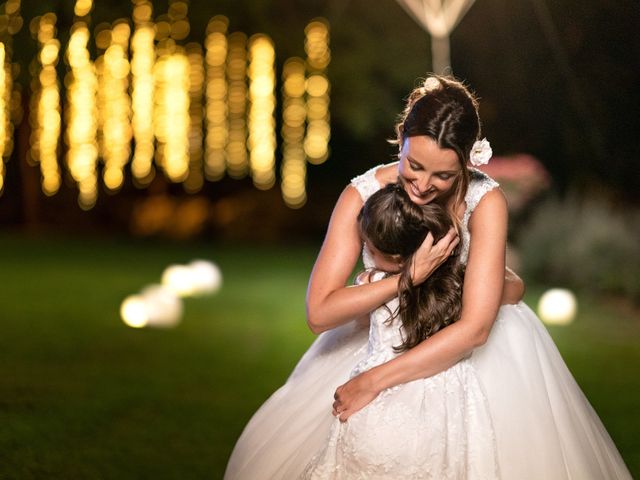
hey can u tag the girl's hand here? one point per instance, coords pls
(430, 256)
(354, 395)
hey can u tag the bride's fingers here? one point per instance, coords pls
(445, 242)
(344, 416)
(453, 245)
(427, 243)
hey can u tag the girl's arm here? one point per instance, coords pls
(330, 302)
(482, 292)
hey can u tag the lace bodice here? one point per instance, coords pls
(479, 184)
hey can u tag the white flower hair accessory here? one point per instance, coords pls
(429, 85)
(480, 152)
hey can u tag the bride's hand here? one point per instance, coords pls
(354, 395)
(513, 289)
(430, 256)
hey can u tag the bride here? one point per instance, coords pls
(534, 403)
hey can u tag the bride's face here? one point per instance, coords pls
(427, 171)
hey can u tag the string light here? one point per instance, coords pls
(142, 93)
(114, 106)
(195, 180)
(164, 113)
(45, 113)
(3, 112)
(82, 114)
(10, 96)
(237, 162)
(216, 93)
(171, 114)
(262, 137)
(82, 7)
(316, 142)
(294, 168)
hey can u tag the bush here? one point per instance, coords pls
(583, 244)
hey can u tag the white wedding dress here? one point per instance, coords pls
(510, 411)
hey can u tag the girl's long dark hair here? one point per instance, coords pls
(397, 226)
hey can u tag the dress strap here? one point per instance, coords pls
(479, 184)
(367, 184)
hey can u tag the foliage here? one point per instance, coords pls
(585, 244)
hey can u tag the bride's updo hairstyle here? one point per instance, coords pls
(396, 226)
(443, 109)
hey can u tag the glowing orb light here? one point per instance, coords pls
(557, 306)
(134, 311)
(179, 279)
(163, 307)
(206, 277)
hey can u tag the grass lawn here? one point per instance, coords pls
(84, 396)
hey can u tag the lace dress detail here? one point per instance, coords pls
(479, 185)
(367, 184)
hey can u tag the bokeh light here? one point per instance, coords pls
(3, 112)
(216, 94)
(316, 142)
(171, 114)
(200, 277)
(133, 311)
(146, 102)
(236, 155)
(207, 277)
(294, 168)
(82, 116)
(10, 96)
(262, 137)
(179, 280)
(163, 307)
(45, 106)
(142, 93)
(195, 178)
(114, 105)
(557, 306)
(155, 306)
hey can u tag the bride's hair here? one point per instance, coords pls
(446, 111)
(396, 226)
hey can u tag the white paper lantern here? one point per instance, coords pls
(557, 306)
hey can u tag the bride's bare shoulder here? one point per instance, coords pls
(387, 173)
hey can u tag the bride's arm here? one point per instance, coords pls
(330, 302)
(482, 292)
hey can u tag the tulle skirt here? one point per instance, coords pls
(545, 426)
(545, 429)
(293, 424)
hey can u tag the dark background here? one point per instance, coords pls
(556, 79)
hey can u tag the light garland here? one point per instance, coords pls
(262, 137)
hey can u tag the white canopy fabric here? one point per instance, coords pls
(439, 18)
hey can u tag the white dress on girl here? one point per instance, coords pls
(512, 410)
